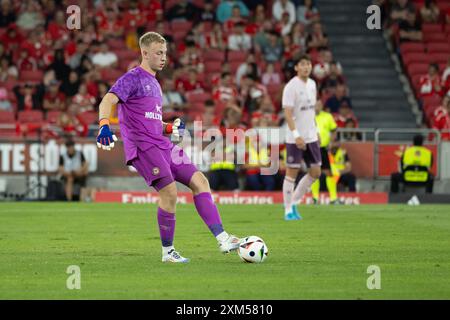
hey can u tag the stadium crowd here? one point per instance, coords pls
(420, 31)
(228, 60)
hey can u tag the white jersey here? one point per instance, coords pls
(301, 97)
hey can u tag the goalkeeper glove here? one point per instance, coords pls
(176, 129)
(105, 138)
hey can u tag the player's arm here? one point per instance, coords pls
(105, 138)
(288, 115)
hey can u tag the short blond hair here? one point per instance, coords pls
(148, 38)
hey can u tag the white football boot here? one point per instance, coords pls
(174, 256)
(229, 244)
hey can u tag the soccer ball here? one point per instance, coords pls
(253, 250)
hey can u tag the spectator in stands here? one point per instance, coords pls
(71, 85)
(7, 14)
(111, 25)
(284, 26)
(105, 58)
(400, 11)
(338, 99)
(191, 57)
(25, 62)
(352, 135)
(299, 35)
(307, 13)
(30, 17)
(235, 18)
(80, 53)
(36, 46)
(239, 40)
(83, 101)
(430, 12)
(333, 79)
(191, 84)
(73, 169)
(290, 49)
(281, 6)
(134, 17)
(248, 67)
(103, 88)
(12, 38)
(415, 164)
(70, 124)
(207, 13)
(441, 118)
(446, 78)
(62, 70)
(257, 20)
(226, 90)
(8, 71)
(252, 92)
(216, 39)
(183, 10)
(264, 115)
(317, 39)
(5, 104)
(173, 100)
(273, 51)
(29, 97)
(411, 29)
(344, 113)
(53, 99)
(431, 84)
(208, 116)
(225, 8)
(270, 77)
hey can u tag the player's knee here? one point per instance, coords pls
(168, 195)
(199, 183)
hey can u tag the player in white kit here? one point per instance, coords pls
(302, 139)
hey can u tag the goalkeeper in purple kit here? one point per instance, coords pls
(150, 151)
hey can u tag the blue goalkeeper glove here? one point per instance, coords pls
(176, 129)
(105, 138)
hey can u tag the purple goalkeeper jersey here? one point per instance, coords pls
(140, 112)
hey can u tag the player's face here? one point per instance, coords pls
(304, 68)
(155, 55)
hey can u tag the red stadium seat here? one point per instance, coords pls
(214, 55)
(413, 57)
(439, 58)
(237, 56)
(126, 54)
(415, 82)
(438, 47)
(431, 28)
(88, 117)
(185, 26)
(197, 97)
(116, 44)
(412, 47)
(447, 29)
(234, 65)
(432, 101)
(111, 75)
(52, 116)
(31, 75)
(179, 35)
(197, 107)
(213, 66)
(30, 116)
(417, 68)
(434, 37)
(7, 117)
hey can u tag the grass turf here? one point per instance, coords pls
(325, 256)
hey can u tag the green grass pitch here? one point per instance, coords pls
(324, 256)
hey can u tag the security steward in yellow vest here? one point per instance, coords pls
(222, 173)
(341, 167)
(416, 166)
(327, 133)
(257, 157)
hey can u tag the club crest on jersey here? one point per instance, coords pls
(155, 171)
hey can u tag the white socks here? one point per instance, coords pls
(221, 237)
(288, 190)
(302, 188)
(165, 250)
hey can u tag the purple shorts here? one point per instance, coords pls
(311, 155)
(161, 167)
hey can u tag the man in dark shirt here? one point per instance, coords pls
(410, 30)
(340, 97)
(73, 169)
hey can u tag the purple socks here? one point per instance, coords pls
(208, 211)
(166, 222)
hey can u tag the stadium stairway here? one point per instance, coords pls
(377, 94)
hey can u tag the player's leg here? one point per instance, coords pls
(294, 156)
(153, 167)
(187, 174)
(313, 160)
